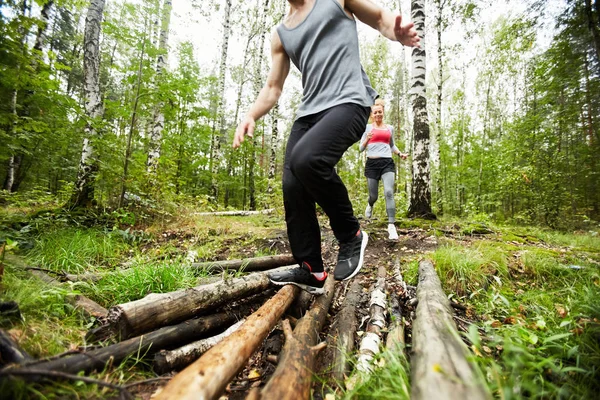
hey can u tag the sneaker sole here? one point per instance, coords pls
(309, 289)
(363, 246)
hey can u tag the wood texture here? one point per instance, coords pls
(248, 264)
(345, 329)
(292, 378)
(167, 337)
(156, 310)
(369, 345)
(439, 366)
(179, 358)
(208, 376)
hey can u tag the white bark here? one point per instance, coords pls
(159, 116)
(217, 136)
(84, 192)
(420, 199)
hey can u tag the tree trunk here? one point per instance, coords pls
(593, 25)
(159, 116)
(248, 264)
(345, 329)
(220, 133)
(83, 194)
(438, 135)
(133, 122)
(10, 352)
(420, 198)
(145, 345)
(208, 376)
(292, 378)
(156, 310)
(439, 365)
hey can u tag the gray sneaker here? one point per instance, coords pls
(351, 257)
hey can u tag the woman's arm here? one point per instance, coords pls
(364, 140)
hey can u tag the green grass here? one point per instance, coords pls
(389, 380)
(77, 250)
(140, 279)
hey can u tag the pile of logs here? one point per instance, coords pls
(209, 333)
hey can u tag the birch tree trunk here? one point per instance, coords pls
(88, 165)
(438, 134)
(220, 132)
(420, 198)
(159, 117)
(258, 81)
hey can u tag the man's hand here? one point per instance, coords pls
(246, 127)
(407, 35)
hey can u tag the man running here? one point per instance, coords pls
(320, 38)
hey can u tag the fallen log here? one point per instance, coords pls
(160, 309)
(235, 213)
(177, 359)
(395, 336)
(248, 264)
(343, 337)
(208, 376)
(292, 378)
(439, 365)
(369, 345)
(145, 345)
(10, 352)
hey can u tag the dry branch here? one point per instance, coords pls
(440, 368)
(10, 352)
(208, 376)
(248, 264)
(343, 338)
(292, 378)
(156, 310)
(369, 345)
(170, 360)
(167, 337)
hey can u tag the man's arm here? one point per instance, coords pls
(386, 22)
(269, 94)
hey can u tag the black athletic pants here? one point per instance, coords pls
(316, 144)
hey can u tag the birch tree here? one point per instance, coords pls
(420, 197)
(159, 116)
(218, 134)
(88, 165)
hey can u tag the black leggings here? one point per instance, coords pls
(316, 144)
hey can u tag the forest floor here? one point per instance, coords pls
(509, 283)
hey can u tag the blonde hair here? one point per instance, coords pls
(378, 102)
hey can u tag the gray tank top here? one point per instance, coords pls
(324, 47)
